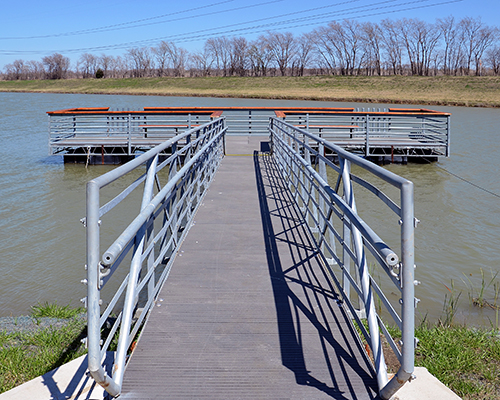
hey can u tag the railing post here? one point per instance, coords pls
(408, 275)
(93, 294)
(448, 136)
(367, 135)
(129, 128)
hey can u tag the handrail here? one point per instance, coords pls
(150, 241)
(97, 132)
(343, 238)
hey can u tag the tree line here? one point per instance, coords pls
(391, 47)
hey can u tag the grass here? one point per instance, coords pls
(442, 90)
(464, 359)
(27, 355)
(55, 311)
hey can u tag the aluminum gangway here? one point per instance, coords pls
(273, 292)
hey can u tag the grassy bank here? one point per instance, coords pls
(30, 348)
(465, 359)
(444, 90)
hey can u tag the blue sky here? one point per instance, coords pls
(30, 30)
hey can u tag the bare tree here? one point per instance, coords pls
(420, 39)
(340, 46)
(448, 30)
(139, 61)
(161, 53)
(202, 63)
(88, 63)
(105, 63)
(259, 56)
(304, 52)
(35, 70)
(282, 48)
(325, 49)
(220, 50)
(493, 59)
(56, 66)
(487, 37)
(238, 56)
(393, 46)
(372, 42)
(471, 33)
(178, 56)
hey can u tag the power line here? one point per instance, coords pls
(118, 26)
(202, 34)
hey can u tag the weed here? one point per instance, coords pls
(53, 310)
(477, 296)
(450, 305)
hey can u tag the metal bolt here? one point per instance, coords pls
(84, 281)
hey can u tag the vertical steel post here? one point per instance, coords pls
(448, 136)
(93, 294)
(407, 276)
(367, 135)
(129, 129)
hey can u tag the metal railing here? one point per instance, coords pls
(370, 132)
(142, 255)
(376, 132)
(345, 240)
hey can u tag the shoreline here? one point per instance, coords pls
(431, 91)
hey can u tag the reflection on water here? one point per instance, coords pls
(42, 255)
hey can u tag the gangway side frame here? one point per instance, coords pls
(190, 165)
(303, 165)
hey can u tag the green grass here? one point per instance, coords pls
(467, 360)
(27, 355)
(442, 90)
(54, 310)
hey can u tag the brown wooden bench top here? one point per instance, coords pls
(167, 126)
(328, 126)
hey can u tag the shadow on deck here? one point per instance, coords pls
(303, 290)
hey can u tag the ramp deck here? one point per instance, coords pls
(248, 311)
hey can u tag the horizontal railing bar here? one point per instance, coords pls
(127, 235)
(111, 176)
(368, 232)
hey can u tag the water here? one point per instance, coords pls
(42, 252)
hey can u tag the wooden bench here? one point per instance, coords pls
(322, 127)
(175, 127)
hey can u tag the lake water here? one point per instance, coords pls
(42, 251)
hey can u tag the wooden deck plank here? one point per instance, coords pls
(247, 312)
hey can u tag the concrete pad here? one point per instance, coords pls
(426, 386)
(69, 381)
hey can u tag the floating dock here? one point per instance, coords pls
(105, 136)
